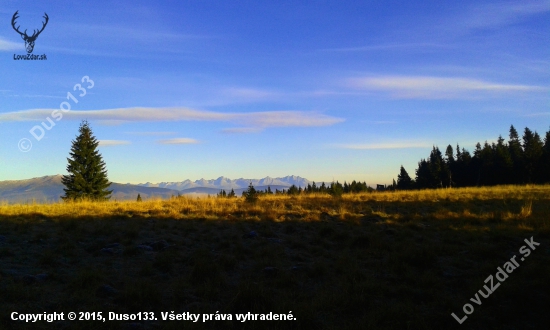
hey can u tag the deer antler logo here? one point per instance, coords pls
(29, 40)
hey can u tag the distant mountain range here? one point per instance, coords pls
(226, 183)
(48, 189)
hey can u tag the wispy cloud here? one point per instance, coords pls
(142, 38)
(8, 46)
(386, 47)
(388, 145)
(241, 130)
(250, 94)
(258, 120)
(495, 15)
(178, 141)
(36, 96)
(427, 87)
(151, 133)
(130, 33)
(538, 114)
(106, 143)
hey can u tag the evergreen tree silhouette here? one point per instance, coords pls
(503, 165)
(293, 190)
(533, 149)
(404, 181)
(545, 160)
(87, 176)
(251, 195)
(450, 165)
(516, 153)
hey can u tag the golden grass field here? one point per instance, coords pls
(381, 260)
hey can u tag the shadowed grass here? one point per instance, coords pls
(365, 261)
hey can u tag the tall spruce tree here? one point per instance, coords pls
(451, 165)
(503, 164)
(516, 153)
(87, 178)
(404, 181)
(533, 149)
(545, 160)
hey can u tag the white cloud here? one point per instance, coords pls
(494, 15)
(8, 46)
(249, 119)
(250, 94)
(538, 114)
(150, 133)
(386, 47)
(178, 141)
(412, 87)
(241, 130)
(106, 143)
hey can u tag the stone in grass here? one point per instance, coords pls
(106, 291)
(2, 238)
(296, 268)
(271, 271)
(251, 234)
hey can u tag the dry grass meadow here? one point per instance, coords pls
(382, 260)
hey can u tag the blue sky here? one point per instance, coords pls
(325, 90)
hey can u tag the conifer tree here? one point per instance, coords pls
(423, 175)
(336, 189)
(293, 190)
(138, 198)
(502, 163)
(251, 195)
(87, 176)
(545, 160)
(404, 181)
(532, 152)
(451, 165)
(516, 153)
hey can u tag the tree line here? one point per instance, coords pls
(505, 162)
(334, 189)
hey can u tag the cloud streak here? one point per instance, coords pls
(258, 120)
(503, 13)
(106, 143)
(386, 47)
(7, 46)
(178, 141)
(150, 133)
(428, 87)
(241, 130)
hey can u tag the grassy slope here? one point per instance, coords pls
(381, 260)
